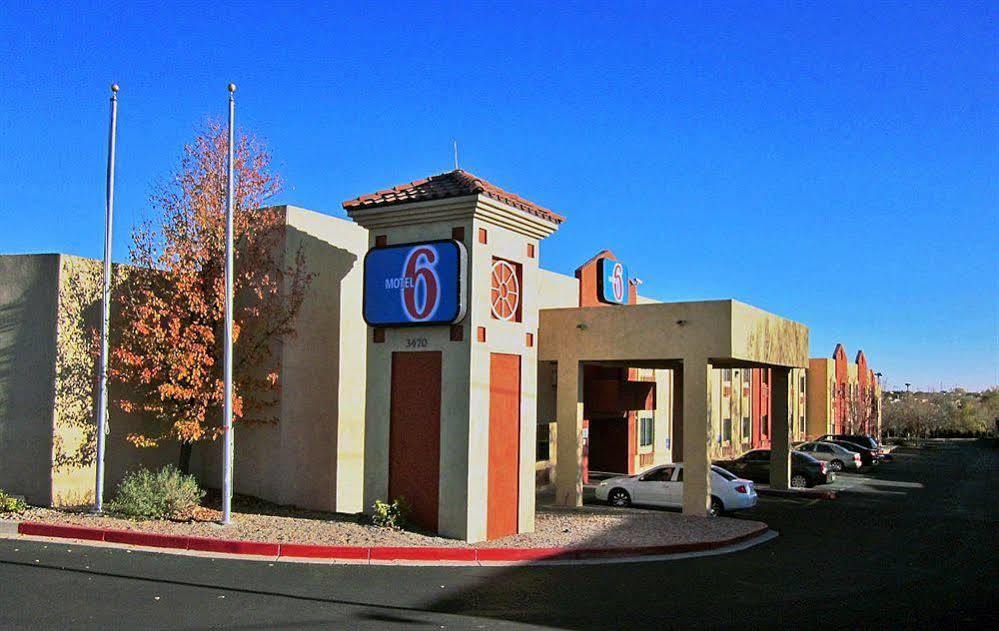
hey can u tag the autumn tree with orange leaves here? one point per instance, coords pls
(171, 307)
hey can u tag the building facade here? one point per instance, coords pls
(433, 361)
(844, 396)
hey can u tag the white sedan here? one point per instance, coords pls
(663, 486)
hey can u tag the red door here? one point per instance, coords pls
(415, 434)
(761, 407)
(504, 445)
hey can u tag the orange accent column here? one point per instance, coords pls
(415, 434)
(504, 445)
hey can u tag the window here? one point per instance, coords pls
(663, 474)
(806, 448)
(722, 472)
(726, 407)
(759, 455)
(544, 442)
(646, 430)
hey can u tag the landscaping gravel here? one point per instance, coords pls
(590, 526)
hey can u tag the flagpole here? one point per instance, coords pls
(102, 401)
(227, 440)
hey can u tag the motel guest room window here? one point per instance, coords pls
(544, 442)
(726, 406)
(646, 430)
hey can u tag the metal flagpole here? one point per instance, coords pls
(102, 401)
(227, 440)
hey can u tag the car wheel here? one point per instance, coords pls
(836, 465)
(798, 481)
(716, 508)
(619, 497)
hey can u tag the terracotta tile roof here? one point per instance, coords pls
(451, 184)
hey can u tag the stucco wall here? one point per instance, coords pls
(323, 370)
(28, 297)
(74, 419)
(557, 290)
(312, 457)
(454, 438)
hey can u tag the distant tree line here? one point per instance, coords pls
(950, 413)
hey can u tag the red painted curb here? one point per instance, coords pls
(207, 544)
(153, 540)
(306, 551)
(386, 553)
(421, 553)
(66, 532)
(520, 554)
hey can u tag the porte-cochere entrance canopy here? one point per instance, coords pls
(689, 337)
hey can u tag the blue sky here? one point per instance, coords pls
(834, 163)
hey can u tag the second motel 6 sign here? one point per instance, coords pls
(612, 285)
(415, 284)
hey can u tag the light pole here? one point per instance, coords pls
(102, 397)
(227, 437)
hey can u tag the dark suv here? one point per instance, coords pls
(860, 439)
(755, 465)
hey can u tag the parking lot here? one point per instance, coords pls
(912, 544)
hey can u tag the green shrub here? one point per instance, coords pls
(11, 504)
(390, 515)
(155, 494)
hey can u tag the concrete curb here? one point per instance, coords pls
(805, 493)
(369, 554)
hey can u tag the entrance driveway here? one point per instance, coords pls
(912, 545)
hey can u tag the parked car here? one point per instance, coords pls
(861, 439)
(868, 457)
(838, 457)
(663, 486)
(755, 465)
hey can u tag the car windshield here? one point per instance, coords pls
(722, 472)
(804, 457)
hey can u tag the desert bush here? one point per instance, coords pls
(11, 504)
(155, 494)
(390, 514)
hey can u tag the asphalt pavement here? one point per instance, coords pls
(910, 545)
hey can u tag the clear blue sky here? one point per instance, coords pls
(835, 164)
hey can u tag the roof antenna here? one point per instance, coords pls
(455, 142)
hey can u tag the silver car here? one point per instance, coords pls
(839, 458)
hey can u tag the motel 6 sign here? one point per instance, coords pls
(415, 284)
(612, 282)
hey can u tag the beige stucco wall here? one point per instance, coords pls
(74, 451)
(821, 375)
(313, 456)
(464, 446)
(50, 309)
(501, 337)
(727, 395)
(557, 290)
(28, 295)
(455, 362)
